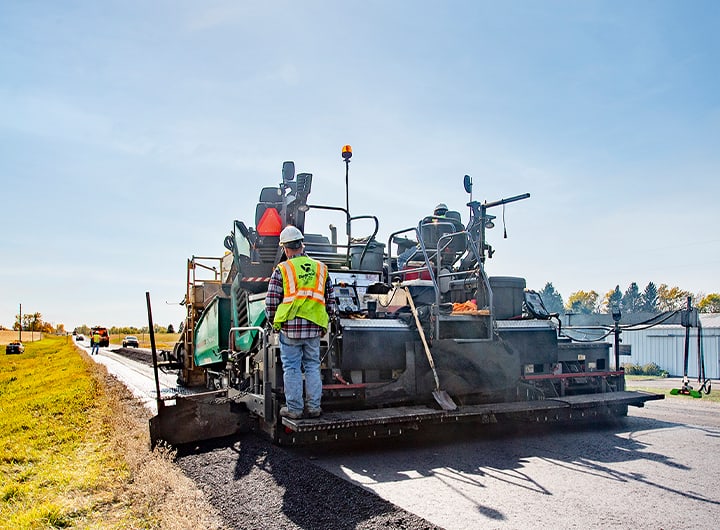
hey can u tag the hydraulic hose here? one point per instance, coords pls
(705, 384)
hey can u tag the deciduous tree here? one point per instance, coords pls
(710, 303)
(671, 298)
(583, 302)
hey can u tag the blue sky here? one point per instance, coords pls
(133, 133)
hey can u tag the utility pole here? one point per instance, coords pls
(20, 324)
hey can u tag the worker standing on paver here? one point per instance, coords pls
(299, 303)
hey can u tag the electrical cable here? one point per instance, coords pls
(705, 384)
(389, 301)
(665, 317)
(504, 227)
(564, 334)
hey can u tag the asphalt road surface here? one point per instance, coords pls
(138, 377)
(656, 469)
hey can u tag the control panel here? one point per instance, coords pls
(346, 299)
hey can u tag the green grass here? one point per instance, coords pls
(635, 382)
(56, 468)
(74, 450)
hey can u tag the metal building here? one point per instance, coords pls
(665, 346)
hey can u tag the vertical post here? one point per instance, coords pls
(347, 190)
(617, 346)
(701, 358)
(154, 352)
(347, 155)
(687, 342)
(483, 214)
(617, 315)
(20, 324)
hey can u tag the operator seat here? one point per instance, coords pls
(432, 228)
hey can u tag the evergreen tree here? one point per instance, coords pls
(170, 328)
(613, 298)
(552, 299)
(631, 299)
(650, 299)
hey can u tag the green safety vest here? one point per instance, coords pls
(303, 291)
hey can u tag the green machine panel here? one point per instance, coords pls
(256, 317)
(211, 333)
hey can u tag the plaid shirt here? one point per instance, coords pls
(297, 328)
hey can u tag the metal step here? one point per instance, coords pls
(568, 407)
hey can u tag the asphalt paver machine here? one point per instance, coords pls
(419, 343)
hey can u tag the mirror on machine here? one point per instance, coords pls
(288, 171)
(467, 183)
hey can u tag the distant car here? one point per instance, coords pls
(131, 342)
(79, 338)
(14, 347)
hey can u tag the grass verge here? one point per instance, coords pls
(645, 383)
(74, 450)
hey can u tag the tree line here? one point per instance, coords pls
(35, 322)
(652, 299)
(128, 330)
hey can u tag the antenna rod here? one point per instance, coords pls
(347, 155)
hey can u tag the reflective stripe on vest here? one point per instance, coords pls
(303, 293)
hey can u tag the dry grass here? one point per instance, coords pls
(158, 493)
(7, 336)
(163, 341)
(75, 453)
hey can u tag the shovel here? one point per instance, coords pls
(441, 397)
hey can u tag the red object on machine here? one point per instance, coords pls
(418, 275)
(270, 223)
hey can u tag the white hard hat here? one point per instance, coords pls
(442, 206)
(289, 234)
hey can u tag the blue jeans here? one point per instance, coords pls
(296, 355)
(95, 348)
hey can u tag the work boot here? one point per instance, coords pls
(287, 413)
(314, 413)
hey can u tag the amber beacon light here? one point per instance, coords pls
(347, 152)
